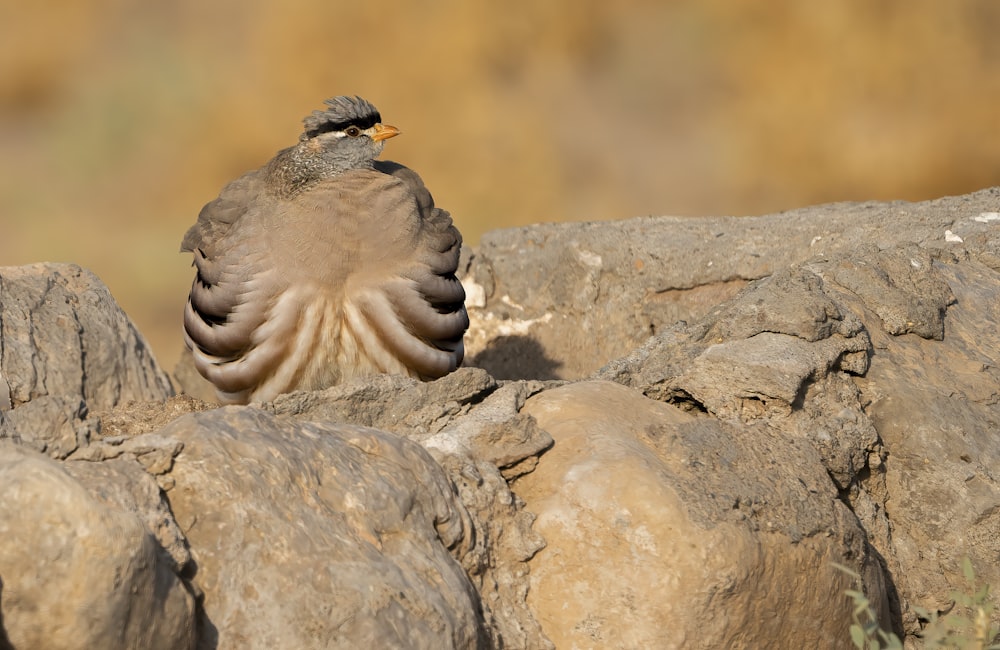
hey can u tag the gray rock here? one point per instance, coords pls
(902, 286)
(884, 360)
(936, 406)
(561, 300)
(821, 385)
(79, 574)
(474, 429)
(466, 409)
(320, 535)
(66, 348)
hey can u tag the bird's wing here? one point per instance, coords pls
(412, 181)
(430, 302)
(353, 276)
(218, 215)
(222, 315)
(234, 289)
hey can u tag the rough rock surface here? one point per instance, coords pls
(79, 574)
(658, 520)
(357, 550)
(820, 386)
(561, 300)
(66, 348)
(906, 429)
(474, 429)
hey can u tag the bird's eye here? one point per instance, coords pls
(352, 131)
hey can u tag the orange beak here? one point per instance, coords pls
(384, 132)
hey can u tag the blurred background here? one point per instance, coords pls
(119, 119)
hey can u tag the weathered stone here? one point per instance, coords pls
(124, 484)
(502, 541)
(558, 301)
(782, 351)
(826, 389)
(474, 430)
(78, 573)
(936, 405)
(894, 382)
(320, 535)
(902, 286)
(668, 530)
(66, 348)
(392, 403)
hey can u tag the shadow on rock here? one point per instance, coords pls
(516, 357)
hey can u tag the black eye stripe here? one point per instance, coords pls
(328, 127)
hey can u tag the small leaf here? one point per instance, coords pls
(858, 636)
(967, 569)
(847, 570)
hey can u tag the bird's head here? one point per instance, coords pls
(348, 135)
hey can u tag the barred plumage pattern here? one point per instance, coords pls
(310, 272)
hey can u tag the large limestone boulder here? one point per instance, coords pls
(319, 535)
(561, 300)
(66, 350)
(671, 530)
(78, 573)
(474, 429)
(905, 429)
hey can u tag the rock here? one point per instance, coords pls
(820, 385)
(669, 530)
(502, 542)
(66, 348)
(934, 401)
(79, 574)
(782, 351)
(392, 403)
(320, 535)
(893, 380)
(499, 539)
(474, 430)
(124, 484)
(558, 301)
(434, 413)
(902, 287)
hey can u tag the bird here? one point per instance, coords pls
(324, 265)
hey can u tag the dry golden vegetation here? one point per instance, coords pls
(119, 118)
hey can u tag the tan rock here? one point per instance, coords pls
(560, 300)
(310, 535)
(934, 403)
(667, 530)
(79, 574)
(68, 349)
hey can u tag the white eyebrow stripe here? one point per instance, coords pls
(370, 131)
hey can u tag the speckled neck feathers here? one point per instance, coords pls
(295, 169)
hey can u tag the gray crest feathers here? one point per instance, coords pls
(342, 112)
